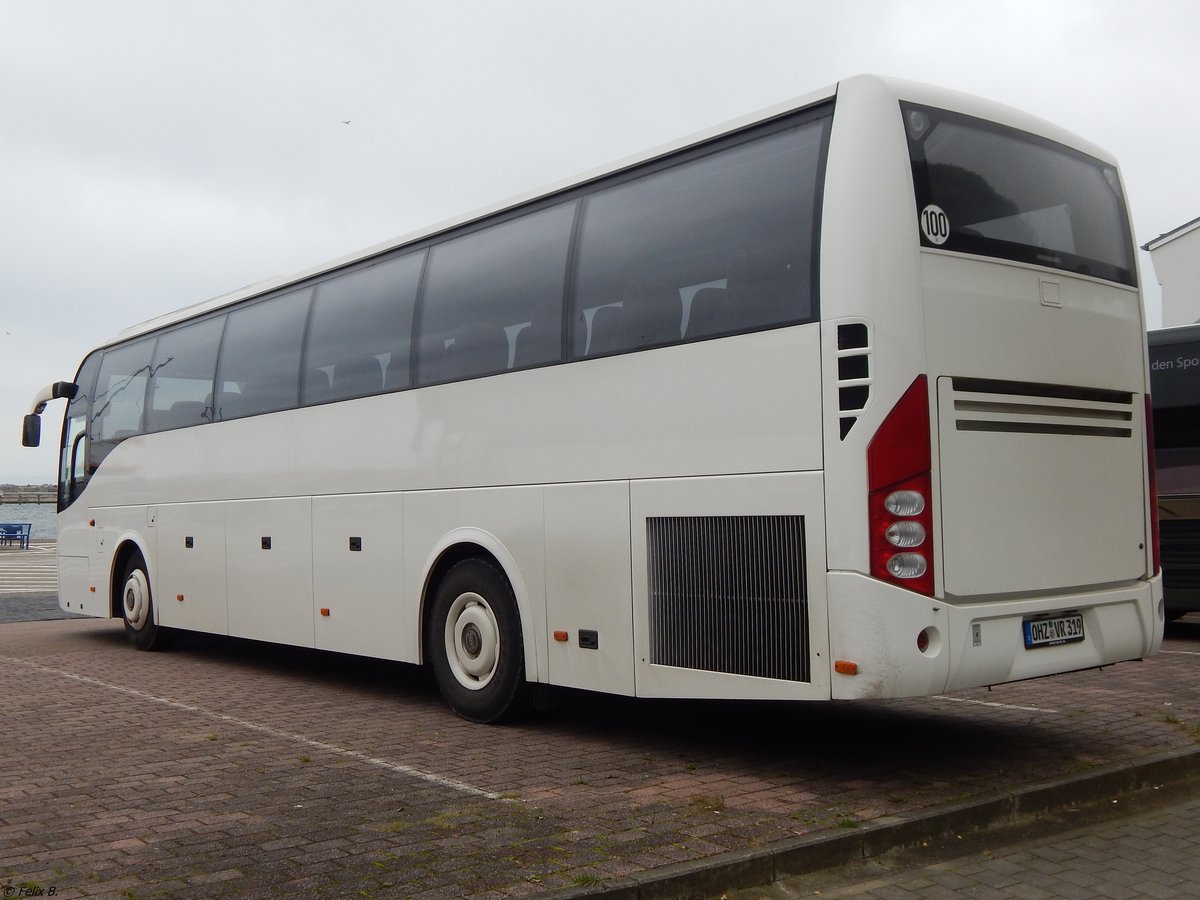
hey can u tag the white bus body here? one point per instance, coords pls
(699, 511)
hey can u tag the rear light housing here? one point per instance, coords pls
(1151, 464)
(900, 494)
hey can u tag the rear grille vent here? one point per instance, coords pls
(727, 594)
(1019, 407)
(854, 373)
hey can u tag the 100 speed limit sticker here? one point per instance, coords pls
(935, 224)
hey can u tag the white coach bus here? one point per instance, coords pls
(847, 399)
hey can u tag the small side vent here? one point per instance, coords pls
(854, 373)
(1019, 407)
(727, 594)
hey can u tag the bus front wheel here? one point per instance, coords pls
(475, 643)
(137, 607)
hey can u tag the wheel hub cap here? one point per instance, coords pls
(136, 600)
(472, 641)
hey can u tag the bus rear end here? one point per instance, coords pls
(997, 442)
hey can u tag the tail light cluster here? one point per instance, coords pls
(1151, 463)
(900, 498)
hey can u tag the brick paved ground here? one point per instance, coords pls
(239, 768)
(1150, 853)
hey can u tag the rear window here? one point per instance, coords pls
(990, 190)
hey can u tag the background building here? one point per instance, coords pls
(1176, 257)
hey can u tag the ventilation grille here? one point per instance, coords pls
(727, 595)
(1019, 407)
(854, 373)
(1180, 543)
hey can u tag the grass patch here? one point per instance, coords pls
(707, 803)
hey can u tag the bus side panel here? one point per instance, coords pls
(508, 524)
(269, 552)
(189, 579)
(746, 403)
(588, 593)
(358, 573)
(734, 608)
(73, 594)
(119, 527)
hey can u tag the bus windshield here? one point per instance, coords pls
(991, 190)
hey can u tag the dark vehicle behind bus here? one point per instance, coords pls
(1175, 387)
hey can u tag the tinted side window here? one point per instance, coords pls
(493, 299)
(120, 397)
(717, 245)
(358, 338)
(181, 380)
(259, 368)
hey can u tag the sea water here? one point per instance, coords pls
(43, 517)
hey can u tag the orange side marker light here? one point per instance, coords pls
(325, 610)
(845, 667)
(561, 636)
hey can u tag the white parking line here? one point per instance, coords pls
(28, 571)
(356, 755)
(1182, 652)
(990, 703)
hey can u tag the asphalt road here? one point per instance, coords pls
(33, 607)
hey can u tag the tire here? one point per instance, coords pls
(137, 607)
(475, 642)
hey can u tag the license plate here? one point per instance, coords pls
(1050, 632)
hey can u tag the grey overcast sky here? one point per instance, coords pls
(154, 153)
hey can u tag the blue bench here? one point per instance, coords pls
(15, 533)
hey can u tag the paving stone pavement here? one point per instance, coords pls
(1148, 853)
(236, 768)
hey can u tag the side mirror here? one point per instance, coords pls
(64, 389)
(31, 433)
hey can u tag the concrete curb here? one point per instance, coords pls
(785, 859)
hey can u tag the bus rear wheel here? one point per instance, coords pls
(475, 643)
(137, 607)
